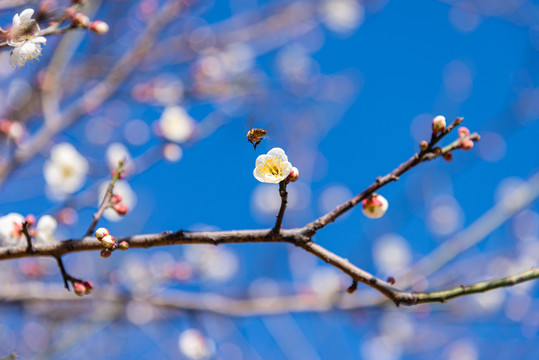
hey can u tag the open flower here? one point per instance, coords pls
(45, 228)
(65, 172)
(11, 229)
(23, 36)
(272, 167)
(176, 124)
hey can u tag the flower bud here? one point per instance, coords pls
(123, 245)
(108, 241)
(293, 176)
(114, 172)
(423, 145)
(121, 209)
(89, 286)
(30, 219)
(79, 288)
(116, 199)
(375, 206)
(438, 124)
(99, 27)
(101, 232)
(79, 19)
(448, 156)
(391, 280)
(105, 253)
(466, 144)
(463, 131)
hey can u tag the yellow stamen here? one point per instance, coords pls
(273, 167)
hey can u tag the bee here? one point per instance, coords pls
(254, 136)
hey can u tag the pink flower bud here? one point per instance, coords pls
(105, 253)
(89, 286)
(116, 199)
(448, 156)
(423, 145)
(123, 245)
(438, 124)
(293, 176)
(30, 219)
(99, 27)
(114, 172)
(101, 232)
(108, 241)
(79, 288)
(375, 207)
(79, 19)
(463, 131)
(466, 144)
(121, 209)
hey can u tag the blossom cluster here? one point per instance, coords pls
(11, 229)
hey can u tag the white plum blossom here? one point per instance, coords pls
(65, 172)
(272, 167)
(176, 124)
(342, 15)
(194, 345)
(10, 229)
(375, 207)
(23, 37)
(45, 228)
(117, 152)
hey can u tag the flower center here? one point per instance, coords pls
(273, 167)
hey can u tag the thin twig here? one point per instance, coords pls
(67, 278)
(284, 200)
(422, 156)
(27, 236)
(106, 199)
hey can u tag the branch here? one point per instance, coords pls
(428, 154)
(97, 94)
(284, 201)
(106, 199)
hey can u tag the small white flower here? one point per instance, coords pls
(45, 228)
(375, 207)
(272, 167)
(10, 229)
(117, 152)
(194, 345)
(65, 172)
(176, 124)
(342, 15)
(23, 36)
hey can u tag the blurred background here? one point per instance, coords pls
(348, 89)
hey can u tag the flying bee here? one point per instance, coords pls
(254, 136)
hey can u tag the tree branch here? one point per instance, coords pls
(428, 154)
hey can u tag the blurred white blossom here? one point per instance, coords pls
(10, 229)
(326, 283)
(45, 228)
(342, 15)
(117, 152)
(213, 263)
(391, 254)
(65, 172)
(23, 36)
(176, 124)
(272, 167)
(194, 345)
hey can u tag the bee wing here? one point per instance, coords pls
(251, 121)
